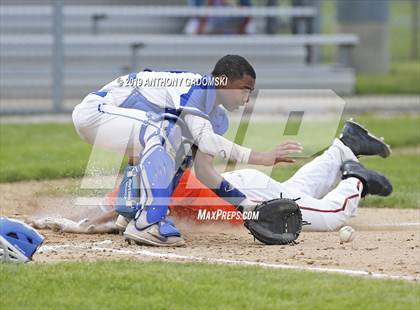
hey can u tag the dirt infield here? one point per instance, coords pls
(387, 240)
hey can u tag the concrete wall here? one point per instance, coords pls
(369, 20)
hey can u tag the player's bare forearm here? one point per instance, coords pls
(281, 153)
(204, 170)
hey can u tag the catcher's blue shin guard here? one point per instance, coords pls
(127, 202)
(158, 166)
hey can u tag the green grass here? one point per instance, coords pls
(162, 285)
(41, 151)
(403, 78)
(47, 151)
(403, 170)
(398, 130)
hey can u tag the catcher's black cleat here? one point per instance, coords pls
(374, 183)
(362, 142)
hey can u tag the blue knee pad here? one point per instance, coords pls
(127, 202)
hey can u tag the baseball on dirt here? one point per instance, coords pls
(347, 234)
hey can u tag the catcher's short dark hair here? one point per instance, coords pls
(234, 67)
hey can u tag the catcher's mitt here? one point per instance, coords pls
(279, 222)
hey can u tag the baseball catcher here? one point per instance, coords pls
(138, 115)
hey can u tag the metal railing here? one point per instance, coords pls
(58, 40)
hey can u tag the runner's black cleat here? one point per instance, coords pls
(374, 183)
(362, 142)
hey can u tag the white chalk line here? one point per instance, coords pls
(387, 226)
(99, 246)
(396, 224)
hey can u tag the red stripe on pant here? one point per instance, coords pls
(332, 211)
(343, 207)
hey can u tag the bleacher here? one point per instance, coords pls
(103, 42)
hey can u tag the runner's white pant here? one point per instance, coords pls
(326, 205)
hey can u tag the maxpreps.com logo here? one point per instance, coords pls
(221, 215)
